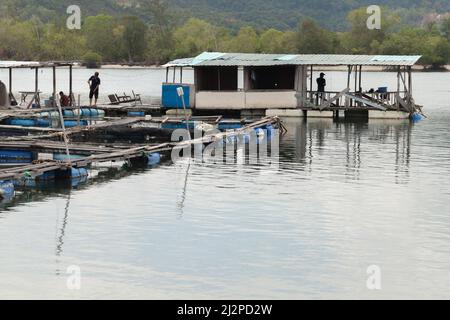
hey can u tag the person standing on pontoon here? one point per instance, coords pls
(321, 84)
(94, 84)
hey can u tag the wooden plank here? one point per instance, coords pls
(365, 101)
(327, 104)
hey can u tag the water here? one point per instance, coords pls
(346, 196)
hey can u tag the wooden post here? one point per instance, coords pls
(181, 74)
(167, 75)
(360, 79)
(36, 85)
(79, 112)
(10, 81)
(72, 97)
(174, 75)
(311, 96)
(410, 88)
(349, 74)
(398, 89)
(54, 85)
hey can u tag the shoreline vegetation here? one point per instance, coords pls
(157, 36)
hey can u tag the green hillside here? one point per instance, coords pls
(261, 14)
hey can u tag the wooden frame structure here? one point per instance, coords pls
(36, 66)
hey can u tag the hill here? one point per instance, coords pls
(261, 14)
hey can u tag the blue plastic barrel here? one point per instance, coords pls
(136, 113)
(15, 156)
(22, 122)
(94, 112)
(78, 172)
(43, 123)
(64, 157)
(229, 125)
(74, 123)
(6, 189)
(69, 113)
(416, 117)
(154, 159)
(86, 112)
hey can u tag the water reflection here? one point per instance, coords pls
(311, 141)
(62, 231)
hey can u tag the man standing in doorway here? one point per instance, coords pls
(94, 84)
(321, 84)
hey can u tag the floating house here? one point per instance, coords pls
(285, 85)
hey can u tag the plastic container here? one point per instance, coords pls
(154, 159)
(74, 123)
(64, 157)
(22, 122)
(69, 113)
(45, 123)
(136, 113)
(416, 117)
(15, 156)
(78, 172)
(6, 189)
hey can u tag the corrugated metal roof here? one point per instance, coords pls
(249, 59)
(32, 64)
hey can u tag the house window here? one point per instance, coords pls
(216, 78)
(271, 78)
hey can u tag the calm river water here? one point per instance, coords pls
(346, 196)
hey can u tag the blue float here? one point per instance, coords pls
(43, 123)
(6, 189)
(416, 117)
(74, 123)
(22, 122)
(136, 113)
(78, 172)
(154, 159)
(64, 157)
(15, 156)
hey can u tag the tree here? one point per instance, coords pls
(134, 38)
(246, 41)
(194, 37)
(271, 41)
(59, 43)
(360, 38)
(18, 40)
(434, 48)
(313, 39)
(161, 42)
(100, 37)
(445, 28)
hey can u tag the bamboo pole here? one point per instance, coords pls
(71, 95)
(54, 86)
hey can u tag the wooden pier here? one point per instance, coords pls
(108, 154)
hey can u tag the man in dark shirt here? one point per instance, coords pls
(94, 84)
(321, 84)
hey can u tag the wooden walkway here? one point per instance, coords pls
(37, 169)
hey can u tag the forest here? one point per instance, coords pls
(155, 31)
